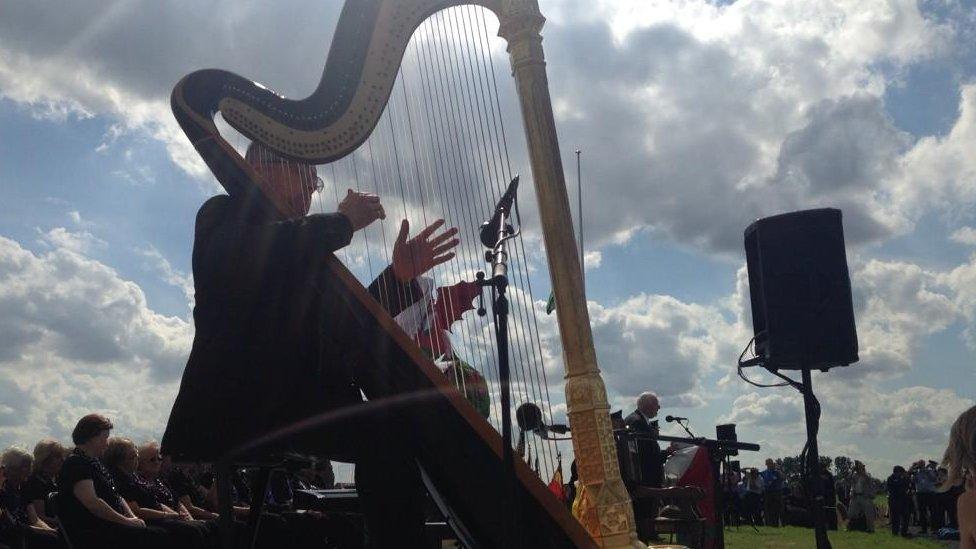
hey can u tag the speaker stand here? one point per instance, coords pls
(815, 499)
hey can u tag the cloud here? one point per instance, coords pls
(75, 338)
(169, 274)
(661, 344)
(81, 242)
(698, 118)
(75, 311)
(964, 235)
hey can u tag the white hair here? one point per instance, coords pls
(645, 399)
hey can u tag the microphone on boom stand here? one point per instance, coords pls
(490, 229)
(494, 234)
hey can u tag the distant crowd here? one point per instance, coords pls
(108, 492)
(920, 500)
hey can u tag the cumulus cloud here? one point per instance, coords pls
(698, 117)
(81, 242)
(73, 332)
(964, 235)
(66, 306)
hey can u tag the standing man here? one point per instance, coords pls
(899, 501)
(925, 496)
(773, 482)
(862, 498)
(651, 459)
(277, 343)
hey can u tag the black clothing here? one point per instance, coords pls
(276, 343)
(161, 492)
(37, 487)
(181, 484)
(269, 348)
(134, 489)
(899, 503)
(76, 468)
(16, 507)
(651, 457)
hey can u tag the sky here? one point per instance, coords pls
(694, 119)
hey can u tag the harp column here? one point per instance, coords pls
(607, 513)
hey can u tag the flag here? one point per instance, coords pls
(551, 304)
(556, 484)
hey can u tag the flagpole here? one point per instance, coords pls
(579, 211)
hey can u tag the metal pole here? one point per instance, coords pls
(814, 486)
(579, 212)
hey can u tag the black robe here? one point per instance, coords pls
(271, 340)
(651, 457)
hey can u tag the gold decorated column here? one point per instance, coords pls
(607, 512)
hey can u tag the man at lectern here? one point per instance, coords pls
(651, 459)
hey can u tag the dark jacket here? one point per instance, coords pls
(651, 457)
(266, 352)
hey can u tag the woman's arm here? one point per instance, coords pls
(146, 513)
(196, 512)
(84, 491)
(39, 504)
(35, 521)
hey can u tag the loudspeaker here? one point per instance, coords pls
(727, 432)
(802, 313)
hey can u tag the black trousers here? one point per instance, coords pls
(186, 533)
(898, 510)
(111, 534)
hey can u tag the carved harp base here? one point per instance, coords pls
(605, 509)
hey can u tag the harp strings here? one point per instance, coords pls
(440, 150)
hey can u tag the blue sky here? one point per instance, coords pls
(693, 118)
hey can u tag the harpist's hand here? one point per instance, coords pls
(421, 253)
(361, 209)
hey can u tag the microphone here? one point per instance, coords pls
(490, 228)
(671, 419)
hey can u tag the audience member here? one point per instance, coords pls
(32, 529)
(898, 500)
(925, 496)
(773, 483)
(861, 511)
(89, 506)
(121, 457)
(48, 457)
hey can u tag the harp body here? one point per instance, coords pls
(332, 122)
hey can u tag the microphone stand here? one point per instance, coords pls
(497, 257)
(685, 427)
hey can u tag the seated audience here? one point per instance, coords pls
(48, 457)
(122, 459)
(181, 480)
(24, 522)
(960, 464)
(89, 506)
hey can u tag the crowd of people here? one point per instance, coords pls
(110, 492)
(921, 499)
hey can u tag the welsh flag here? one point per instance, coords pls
(556, 484)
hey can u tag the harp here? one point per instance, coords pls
(336, 121)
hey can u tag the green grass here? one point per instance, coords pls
(801, 538)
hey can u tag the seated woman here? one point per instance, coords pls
(960, 462)
(122, 459)
(181, 480)
(48, 457)
(31, 528)
(89, 507)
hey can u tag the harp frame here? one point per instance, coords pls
(337, 118)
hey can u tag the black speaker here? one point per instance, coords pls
(727, 432)
(800, 288)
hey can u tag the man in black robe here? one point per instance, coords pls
(276, 343)
(651, 461)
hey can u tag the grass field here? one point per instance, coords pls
(802, 538)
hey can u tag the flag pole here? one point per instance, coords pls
(579, 211)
